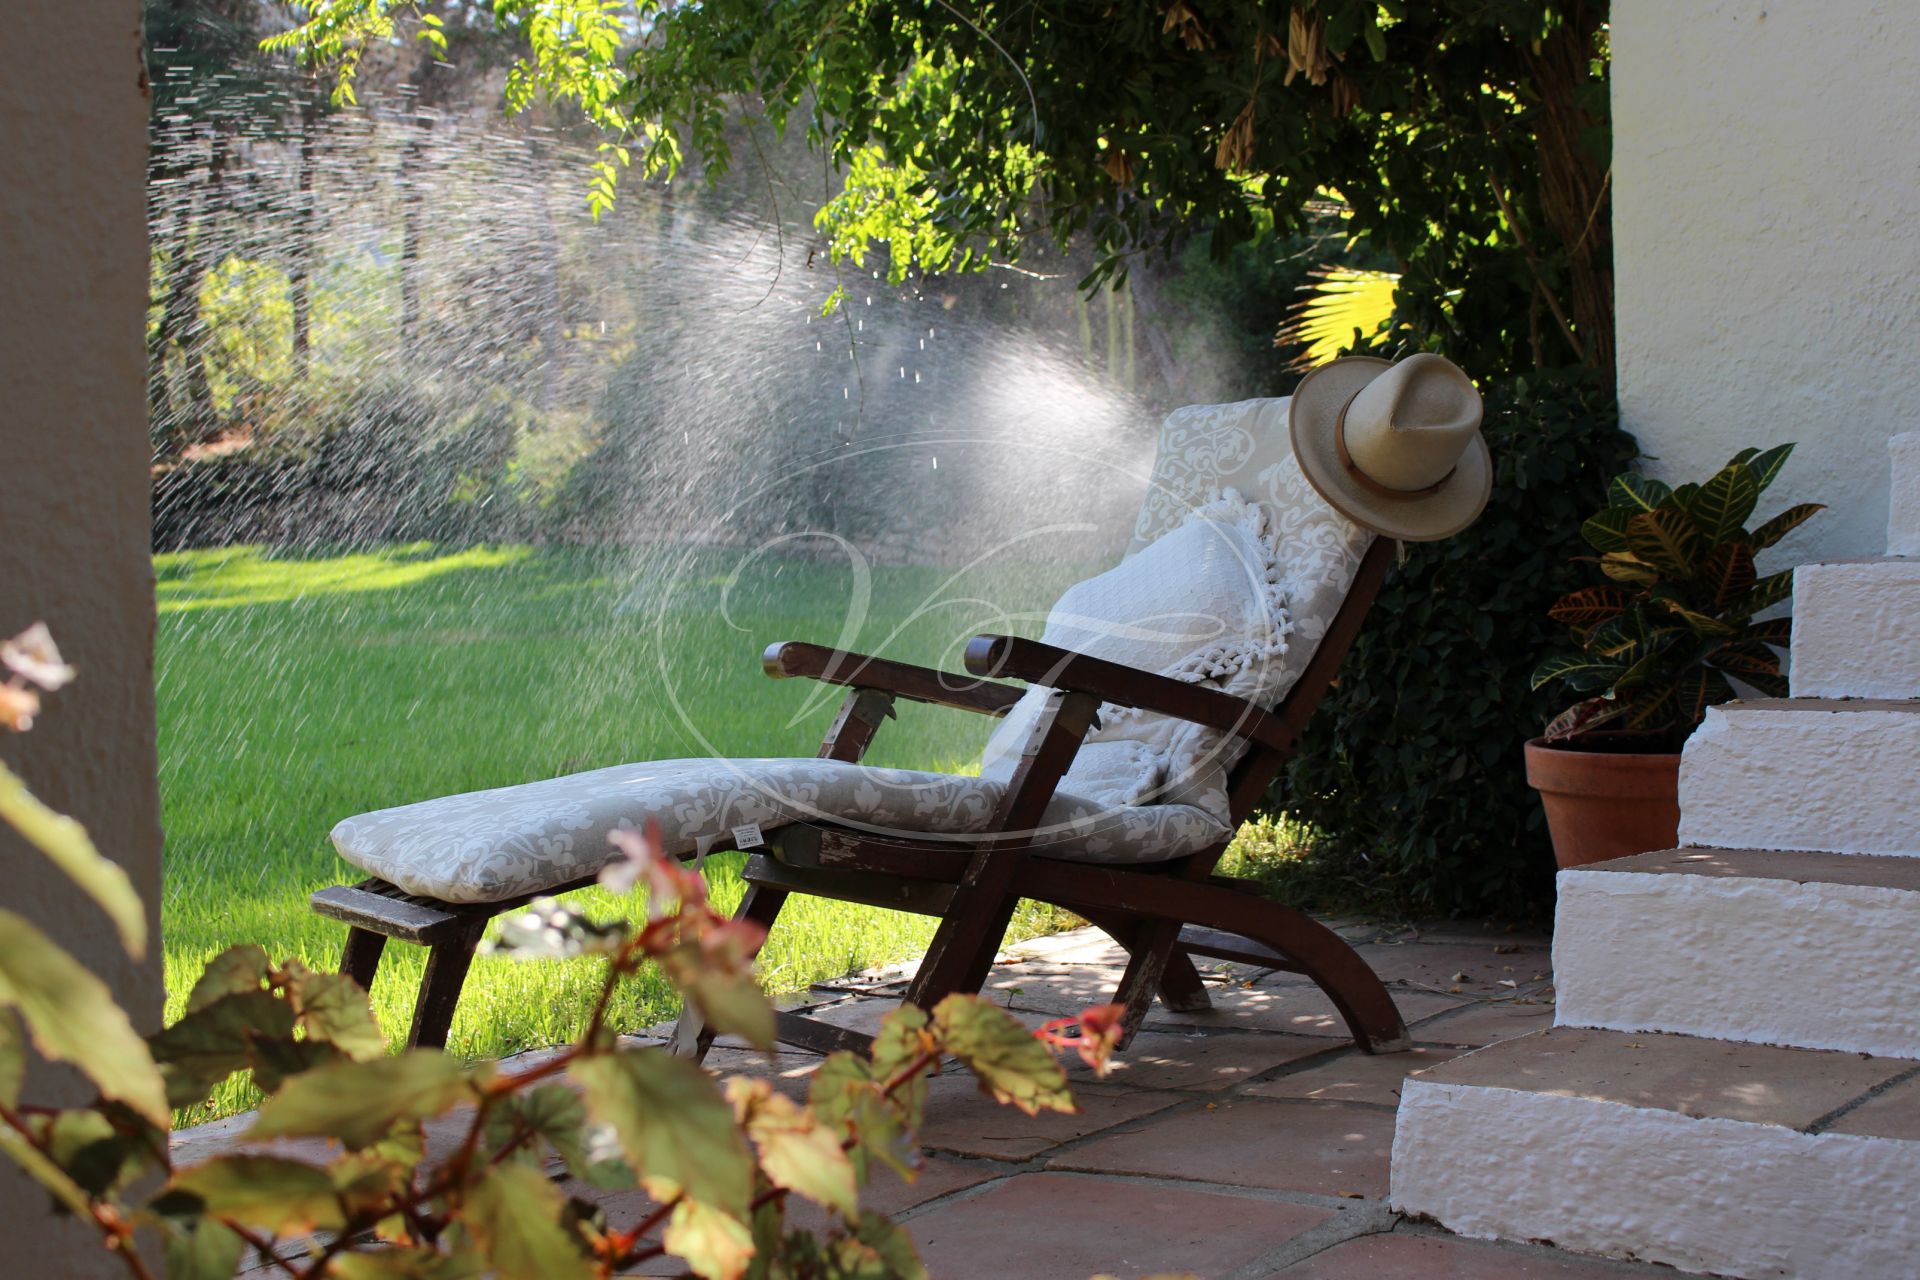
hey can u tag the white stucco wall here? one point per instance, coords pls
(1766, 188)
(74, 525)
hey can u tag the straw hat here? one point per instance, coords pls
(1394, 447)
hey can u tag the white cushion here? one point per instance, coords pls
(1235, 596)
(486, 846)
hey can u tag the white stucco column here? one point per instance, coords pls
(1766, 195)
(74, 502)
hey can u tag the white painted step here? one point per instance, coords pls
(1856, 629)
(1830, 775)
(1903, 514)
(1815, 950)
(1743, 1160)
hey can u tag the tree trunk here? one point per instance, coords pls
(299, 279)
(1574, 183)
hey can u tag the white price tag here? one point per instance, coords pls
(747, 836)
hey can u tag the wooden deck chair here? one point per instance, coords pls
(1111, 787)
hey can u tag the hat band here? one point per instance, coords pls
(1366, 481)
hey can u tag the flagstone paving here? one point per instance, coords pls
(1250, 1142)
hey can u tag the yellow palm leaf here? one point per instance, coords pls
(1341, 301)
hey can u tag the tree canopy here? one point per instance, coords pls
(1467, 139)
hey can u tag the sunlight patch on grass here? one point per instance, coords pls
(247, 575)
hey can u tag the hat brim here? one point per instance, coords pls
(1313, 419)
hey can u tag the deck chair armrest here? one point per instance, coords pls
(1043, 664)
(791, 659)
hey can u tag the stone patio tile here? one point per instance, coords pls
(1352, 1077)
(887, 1193)
(1399, 1256)
(1485, 1023)
(960, 1119)
(1754, 1083)
(1324, 1148)
(1045, 1226)
(1162, 1060)
(891, 1195)
(1467, 931)
(1298, 1006)
(1437, 966)
(1893, 1114)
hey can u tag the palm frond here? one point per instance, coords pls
(1340, 302)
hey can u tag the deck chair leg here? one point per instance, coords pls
(447, 965)
(360, 959)
(692, 1037)
(961, 954)
(1181, 987)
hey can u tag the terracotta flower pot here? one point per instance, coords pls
(1604, 802)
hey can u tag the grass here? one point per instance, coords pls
(297, 689)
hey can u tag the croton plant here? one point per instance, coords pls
(1661, 639)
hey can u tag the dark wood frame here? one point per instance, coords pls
(1163, 913)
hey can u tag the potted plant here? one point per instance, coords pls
(1659, 642)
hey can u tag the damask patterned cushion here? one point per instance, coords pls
(486, 846)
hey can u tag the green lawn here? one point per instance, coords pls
(297, 689)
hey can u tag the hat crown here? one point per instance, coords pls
(1407, 429)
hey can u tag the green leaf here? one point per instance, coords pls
(1667, 539)
(515, 1214)
(13, 1057)
(732, 1004)
(1637, 492)
(714, 1245)
(1624, 566)
(72, 1018)
(1720, 507)
(275, 1060)
(1009, 1061)
(1777, 632)
(333, 1008)
(1702, 624)
(67, 846)
(1589, 606)
(210, 1044)
(44, 1171)
(408, 1264)
(202, 1249)
(1784, 523)
(360, 1102)
(559, 1115)
(1747, 659)
(844, 1094)
(286, 1197)
(1584, 717)
(1766, 465)
(235, 970)
(676, 1130)
(1726, 574)
(1607, 531)
(1697, 690)
(1578, 669)
(798, 1150)
(1767, 592)
(893, 1247)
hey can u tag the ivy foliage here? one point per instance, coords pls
(1411, 773)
